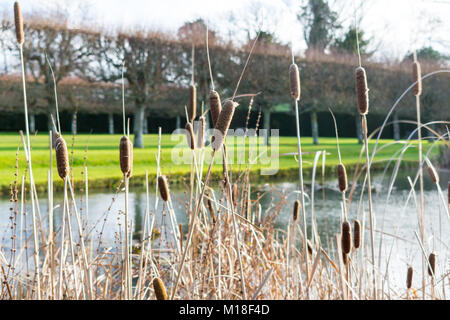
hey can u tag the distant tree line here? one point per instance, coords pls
(158, 69)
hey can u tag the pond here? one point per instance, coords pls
(397, 218)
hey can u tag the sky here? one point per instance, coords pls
(395, 27)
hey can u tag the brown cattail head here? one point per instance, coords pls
(190, 136)
(409, 277)
(235, 195)
(223, 123)
(126, 155)
(62, 156)
(448, 193)
(346, 237)
(433, 174)
(163, 186)
(215, 106)
(417, 76)
(294, 79)
(192, 111)
(432, 264)
(210, 207)
(160, 289)
(296, 209)
(362, 92)
(309, 247)
(18, 20)
(342, 177)
(357, 234)
(201, 133)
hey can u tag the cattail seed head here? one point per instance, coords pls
(346, 237)
(192, 111)
(342, 177)
(309, 247)
(294, 79)
(62, 156)
(223, 124)
(357, 234)
(409, 277)
(190, 136)
(126, 155)
(432, 264)
(215, 106)
(362, 92)
(448, 193)
(163, 186)
(235, 195)
(417, 76)
(201, 133)
(433, 174)
(210, 207)
(344, 258)
(18, 20)
(160, 289)
(296, 209)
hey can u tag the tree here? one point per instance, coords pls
(147, 58)
(65, 48)
(348, 44)
(319, 23)
(429, 55)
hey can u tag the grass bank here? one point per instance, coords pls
(100, 153)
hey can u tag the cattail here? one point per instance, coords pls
(163, 188)
(296, 209)
(126, 155)
(294, 78)
(130, 172)
(160, 289)
(215, 106)
(18, 22)
(344, 257)
(223, 123)
(346, 237)
(342, 177)
(201, 133)
(192, 111)
(310, 247)
(62, 156)
(356, 234)
(417, 76)
(235, 195)
(432, 264)
(362, 92)
(190, 136)
(409, 277)
(210, 207)
(180, 228)
(433, 174)
(448, 193)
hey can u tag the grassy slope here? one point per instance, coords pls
(103, 156)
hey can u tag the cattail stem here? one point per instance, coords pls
(194, 221)
(127, 252)
(369, 195)
(302, 191)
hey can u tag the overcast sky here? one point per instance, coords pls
(395, 26)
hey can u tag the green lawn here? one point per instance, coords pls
(103, 157)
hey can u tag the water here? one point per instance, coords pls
(398, 220)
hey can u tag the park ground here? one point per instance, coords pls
(100, 152)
